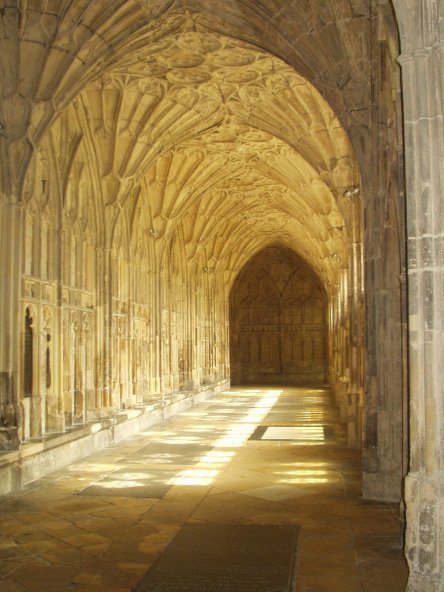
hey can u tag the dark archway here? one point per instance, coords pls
(278, 321)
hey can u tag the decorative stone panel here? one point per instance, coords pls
(278, 321)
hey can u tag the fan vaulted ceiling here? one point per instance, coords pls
(190, 106)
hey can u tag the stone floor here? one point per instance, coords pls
(249, 455)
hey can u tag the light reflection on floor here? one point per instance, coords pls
(234, 437)
(194, 477)
(103, 520)
(251, 408)
(295, 433)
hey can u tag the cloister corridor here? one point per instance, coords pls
(199, 194)
(100, 523)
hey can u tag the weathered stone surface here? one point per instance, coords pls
(150, 150)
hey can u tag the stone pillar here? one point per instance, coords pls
(423, 76)
(384, 238)
(57, 423)
(103, 324)
(355, 386)
(37, 401)
(79, 371)
(333, 339)
(343, 349)
(11, 231)
(190, 359)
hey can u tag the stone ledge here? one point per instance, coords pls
(36, 459)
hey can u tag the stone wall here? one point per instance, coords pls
(278, 325)
(105, 304)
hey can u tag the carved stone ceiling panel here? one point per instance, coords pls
(237, 148)
(60, 47)
(225, 137)
(186, 99)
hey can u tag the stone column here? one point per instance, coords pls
(58, 422)
(344, 343)
(190, 360)
(423, 76)
(37, 401)
(104, 329)
(384, 251)
(11, 233)
(333, 339)
(355, 391)
(355, 334)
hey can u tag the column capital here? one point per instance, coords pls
(419, 53)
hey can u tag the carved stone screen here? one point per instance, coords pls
(278, 330)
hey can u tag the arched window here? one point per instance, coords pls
(48, 362)
(28, 355)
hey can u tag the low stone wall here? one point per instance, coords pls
(35, 459)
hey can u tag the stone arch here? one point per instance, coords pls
(416, 21)
(278, 321)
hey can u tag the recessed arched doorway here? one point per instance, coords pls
(278, 321)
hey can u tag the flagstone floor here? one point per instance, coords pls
(247, 456)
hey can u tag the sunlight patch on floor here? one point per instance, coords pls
(194, 477)
(235, 437)
(298, 433)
